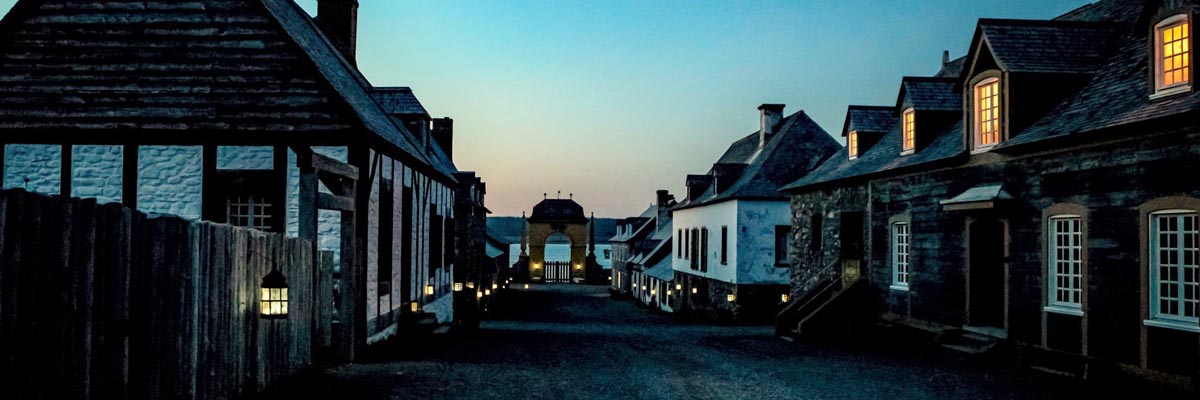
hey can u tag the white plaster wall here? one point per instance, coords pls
(39, 164)
(712, 216)
(170, 180)
(756, 241)
(96, 172)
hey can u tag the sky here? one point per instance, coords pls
(611, 100)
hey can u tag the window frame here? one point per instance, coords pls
(724, 244)
(1161, 90)
(977, 112)
(852, 146)
(1156, 317)
(896, 254)
(704, 249)
(1051, 256)
(908, 137)
(781, 244)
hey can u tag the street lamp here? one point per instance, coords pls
(273, 303)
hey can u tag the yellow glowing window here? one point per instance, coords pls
(852, 144)
(910, 130)
(1174, 58)
(987, 113)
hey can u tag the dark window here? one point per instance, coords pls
(724, 245)
(781, 243)
(435, 241)
(695, 248)
(451, 241)
(704, 250)
(248, 199)
(406, 242)
(687, 244)
(386, 200)
(679, 239)
(815, 233)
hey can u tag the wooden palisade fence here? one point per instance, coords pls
(101, 302)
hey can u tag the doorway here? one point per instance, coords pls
(987, 275)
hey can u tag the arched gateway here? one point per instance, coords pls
(563, 220)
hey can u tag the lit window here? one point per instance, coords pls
(852, 144)
(1174, 53)
(1175, 267)
(1066, 261)
(901, 238)
(987, 113)
(910, 131)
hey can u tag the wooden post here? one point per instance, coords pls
(209, 205)
(280, 167)
(129, 176)
(308, 223)
(354, 227)
(64, 181)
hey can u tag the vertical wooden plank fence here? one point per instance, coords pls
(101, 302)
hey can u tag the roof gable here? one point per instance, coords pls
(1067, 47)
(868, 119)
(929, 94)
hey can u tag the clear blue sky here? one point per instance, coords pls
(612, 99)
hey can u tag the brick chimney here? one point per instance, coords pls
(443, 135)
(769, 115)
(339, 20)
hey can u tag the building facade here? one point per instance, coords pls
(730, 233)
(1044, 211)
(268, 124)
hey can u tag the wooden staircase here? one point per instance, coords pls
(791, 321)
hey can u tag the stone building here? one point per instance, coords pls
(730, 232)
(249, 112)
(1030, 194)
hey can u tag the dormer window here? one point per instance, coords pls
(1173, 56)
(852, 144)
(987, 113)
(909, 144)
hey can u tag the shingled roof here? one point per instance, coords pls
(868, 119)
(929, 94)
(1045, 46)
(798, 147)
(238, 67)
(399, 101)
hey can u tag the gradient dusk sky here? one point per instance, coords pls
(613, 99)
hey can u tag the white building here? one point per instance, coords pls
(730, 233)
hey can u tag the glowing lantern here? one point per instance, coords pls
(527, 286)
(495, 286)
(470, 285)
(458, 286)
(578, 266)
(429, 290)
(668, 292)
(678, 286)
(416, 307)
(273, 303)
(693, 290)
(653, 292)
(730, 297)
(487, 292)
(783, 297)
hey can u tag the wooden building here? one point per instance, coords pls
(1034, 193)
(730, 232)
(249, 112)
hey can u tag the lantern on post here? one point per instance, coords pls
(730, 297)
(783, 298)
(273, 300)
(458, 286)
(693, 290)
(429, 290)
(678, 286)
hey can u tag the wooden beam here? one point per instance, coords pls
(3, 156)
(337, 168)
(64, 179)
(129, 176)
(209, 202)
(326, 201)
(280, 167)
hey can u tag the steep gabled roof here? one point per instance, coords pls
(797, 148)
(741, 150)
(399, 101)
(868, 119)
(1043, 46)
(929, 94)
(237, 67)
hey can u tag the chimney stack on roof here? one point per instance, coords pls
(945, 57)
(443, 135)
(769, 116)
(339, 20)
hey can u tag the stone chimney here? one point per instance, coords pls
(945, 57)
(769, 115)
(339, 20)
(443, 135)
